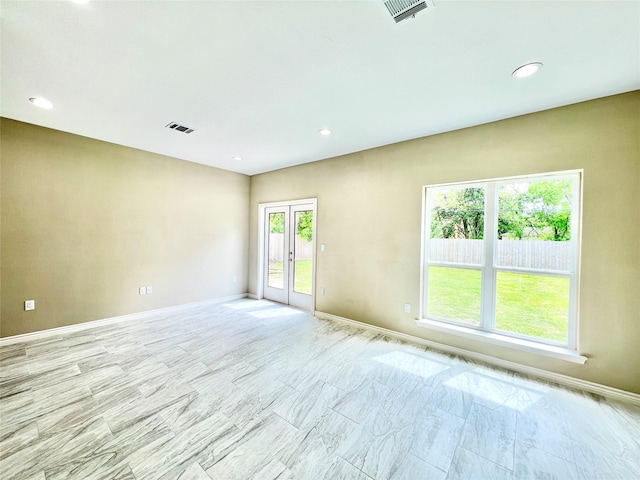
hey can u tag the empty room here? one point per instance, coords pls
(362, 240)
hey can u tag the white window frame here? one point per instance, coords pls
(486, 330)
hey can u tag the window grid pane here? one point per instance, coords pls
(455, 294)
(457, 225)
(534, 224)
(533, 305)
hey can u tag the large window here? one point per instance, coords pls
(501, 256)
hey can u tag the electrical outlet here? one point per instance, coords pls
(149, 290)
(322, 291)
(235, 278)
(29, 304)
(407, 308)
(143, 290)
(322, 247)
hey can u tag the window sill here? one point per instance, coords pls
(528, 346)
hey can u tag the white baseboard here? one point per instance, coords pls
(27, 337)
(605, 391)
(253, 296)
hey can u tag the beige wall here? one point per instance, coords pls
(376, 195)
(85, 223)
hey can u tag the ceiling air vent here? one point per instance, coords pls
(403, 9)
(179, 128)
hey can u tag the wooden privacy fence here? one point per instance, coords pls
(541, 254)
(304, 249)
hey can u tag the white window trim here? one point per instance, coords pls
(569, 352)
(521, 344)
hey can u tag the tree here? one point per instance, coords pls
(458, 213)
(537, 210)
(550, 212)
(527, 210)
(511, 222)
(276, 222)
(305, 224)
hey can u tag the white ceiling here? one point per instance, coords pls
(258, 79)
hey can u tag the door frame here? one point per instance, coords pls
(261, 243)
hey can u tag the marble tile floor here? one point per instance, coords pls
(256, 390)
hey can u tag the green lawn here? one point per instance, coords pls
(301, 281)
(275, 275)
(455, 293)
(534, 305)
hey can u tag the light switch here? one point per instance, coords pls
(143, 290)
(29, 304)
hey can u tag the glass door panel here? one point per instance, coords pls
(276, 254)
(276, 250)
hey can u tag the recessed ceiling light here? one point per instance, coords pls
(325, 131)
(41, 102)
(237, 158)
(527, 70)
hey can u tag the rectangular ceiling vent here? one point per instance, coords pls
(179, 128)
(403, 9)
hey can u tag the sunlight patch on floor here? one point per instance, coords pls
(243, 305)
(275, 312)
(418, 366)
(496, 392)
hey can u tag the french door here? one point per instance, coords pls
(289, 254)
